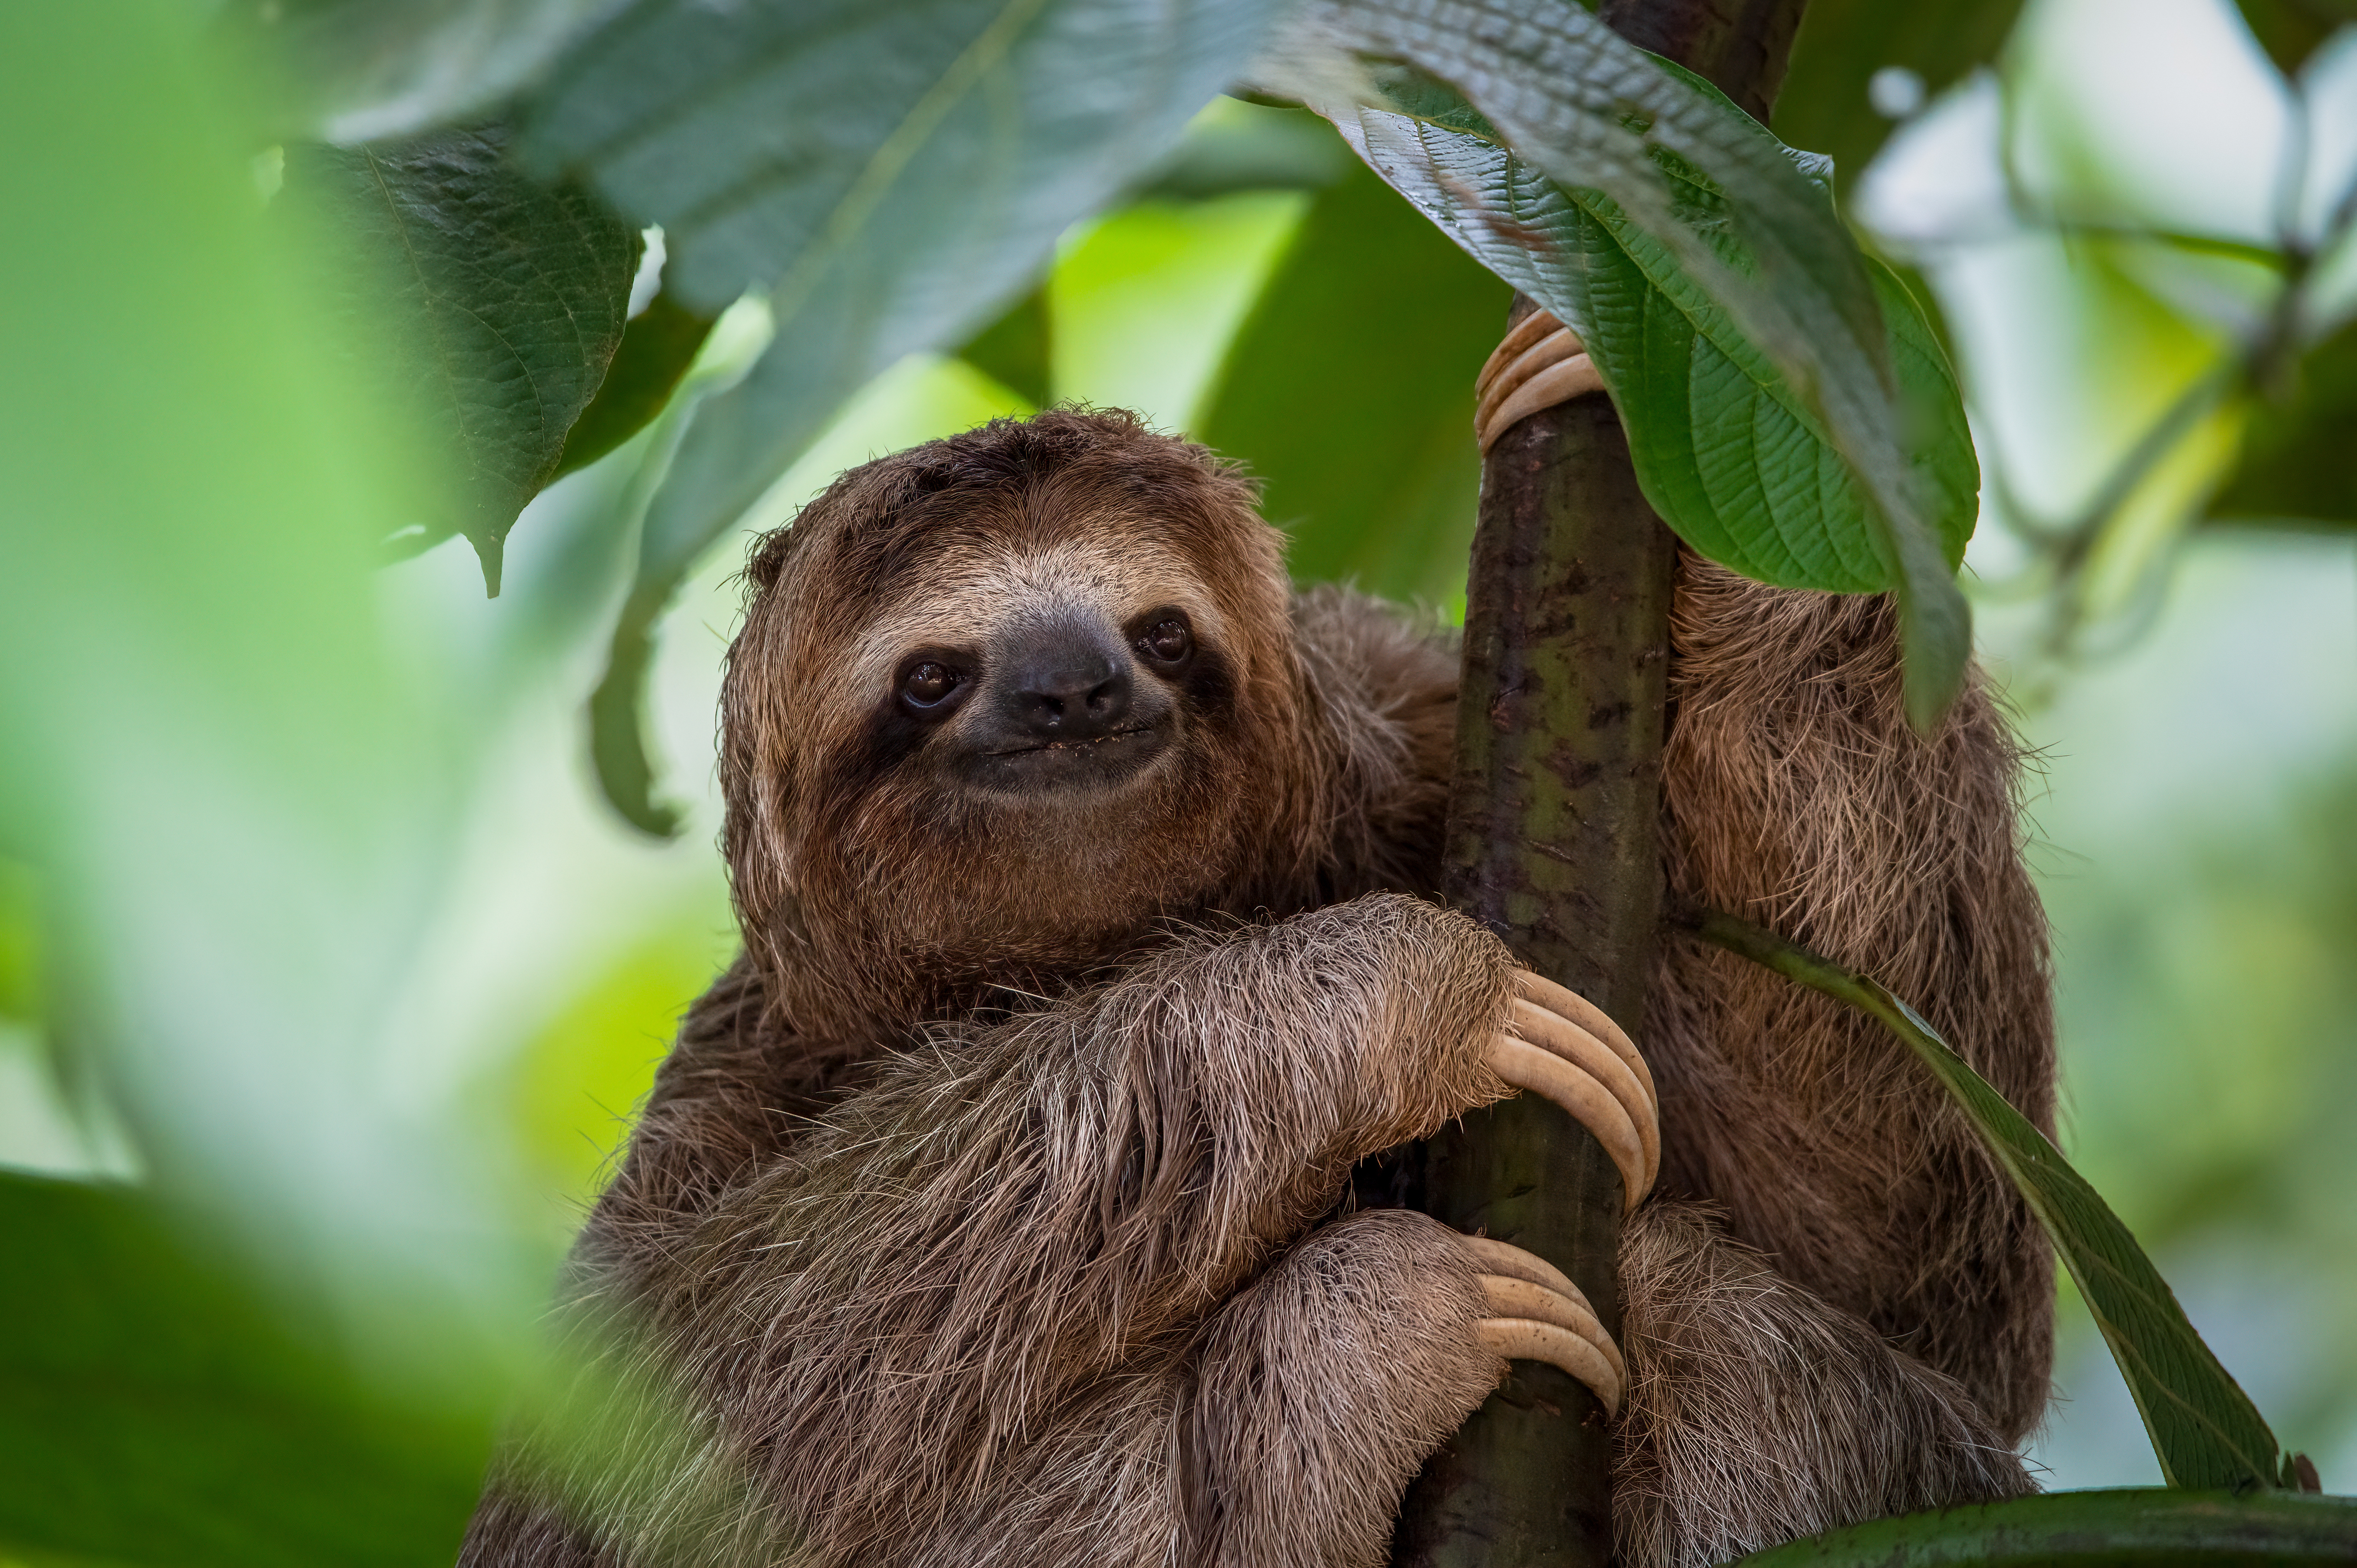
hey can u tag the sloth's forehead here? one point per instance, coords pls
(966, 596)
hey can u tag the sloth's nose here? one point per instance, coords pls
(1072, 686)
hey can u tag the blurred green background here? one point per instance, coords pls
(312, 917)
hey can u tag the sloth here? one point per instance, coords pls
(992, 1206)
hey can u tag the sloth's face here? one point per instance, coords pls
(1018, 719)
(1056, 679)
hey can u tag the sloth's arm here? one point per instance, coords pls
(1000, 1219)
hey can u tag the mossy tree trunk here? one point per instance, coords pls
(1553, 842)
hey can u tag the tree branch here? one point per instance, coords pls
(1553, 837)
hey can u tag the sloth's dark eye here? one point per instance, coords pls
(1168, 640)
(926, 684)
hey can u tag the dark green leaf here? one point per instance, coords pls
(2145, 1527)
(359, 71)
(2289, 30)
(2204, 1429)
(158, 1411)
(658, 346)
(2299, 460)
(496, 303)
(1349, 392)
(1841, 45)
(1727, 453)
(1016, 350)
(1589, 110)
(889, 174)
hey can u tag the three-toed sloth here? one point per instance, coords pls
(991, 1208)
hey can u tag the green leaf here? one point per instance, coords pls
(890, 174)
(1841, 43)
(502, 301)
(2143, 1528)
(2204, 1429)
(359, 70)
(1589, 110)
(657, 348)
(1727, 451)
(159, 1411)
(1349, 392)
(2298, 462)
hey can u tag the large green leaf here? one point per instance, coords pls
(157, 1410)
(657, 349)
(1349, 392)
(493, 302)
(2299, 462)
(355, 70)
(2204, 1429)
(889, 173)
(1727, 453)
(1589, 110)
(2143, 1528)
(1843, 43)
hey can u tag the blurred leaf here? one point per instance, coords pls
(158, 1412)
(2145, 1527)
(2204, 1429)
(1016, 350)
(1590, 110)
(1349, 392)
(359, 71)
(1235, 146)
(891, 174)
(211, 754)
(2299, 457)
(1841, 43)
(658, 346)
(498, 300)
(2289, 30)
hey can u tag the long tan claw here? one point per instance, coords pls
(1537, 1315)
(1540, 364)
(1548, 1054)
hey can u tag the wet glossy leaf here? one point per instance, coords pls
(2204, 1429)
(1728, 452)
(889, 175)
(1349, 393)
(1589, 110)
(500, 300)
(2143, 1528)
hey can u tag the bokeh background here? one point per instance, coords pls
(499, 960)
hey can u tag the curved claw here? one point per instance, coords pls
(1593, 1072)
(1539, 364)
(1540, 1316)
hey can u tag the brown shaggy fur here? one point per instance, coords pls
(986, 1211)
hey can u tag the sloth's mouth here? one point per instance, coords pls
(1096, 763)
(1108, 738)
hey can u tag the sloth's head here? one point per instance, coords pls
(1011, 695)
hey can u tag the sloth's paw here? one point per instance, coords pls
(1537, 1314)
(1560, 1045)
(1539, 364)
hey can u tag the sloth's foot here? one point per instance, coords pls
(1561, 1045)
(1538, 365)
(1538, 1314)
